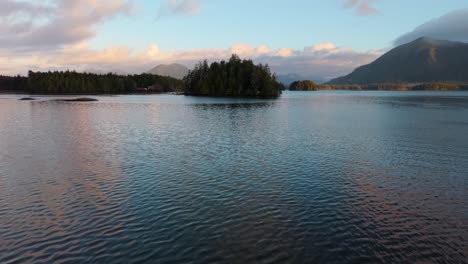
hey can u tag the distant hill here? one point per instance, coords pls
(287, 79)
(423, 60)
(175, 70)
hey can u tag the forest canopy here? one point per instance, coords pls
(71, 82)
(234, 78)
(13, 83)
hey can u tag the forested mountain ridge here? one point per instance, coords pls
(423, 60)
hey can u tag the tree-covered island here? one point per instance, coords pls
(303, 86)
(234, 78)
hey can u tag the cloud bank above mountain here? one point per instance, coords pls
(451, 26)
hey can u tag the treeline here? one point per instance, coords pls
(71, 82)
(303, 86)
(311, 86)
(157, 83)
(399, 87)
(368, 87)
(13, 84)
(440, 87)
(235, 78)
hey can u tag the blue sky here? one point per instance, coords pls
(317, 39)
(276, 23)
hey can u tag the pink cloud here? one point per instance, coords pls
(362, 7)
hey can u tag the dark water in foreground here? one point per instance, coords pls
(326, 177)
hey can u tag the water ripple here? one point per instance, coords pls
(310, 178)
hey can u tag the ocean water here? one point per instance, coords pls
(313, 177)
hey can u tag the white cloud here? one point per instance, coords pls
(52, 24)
(361, 7)
(452, 26)
(327, 47)
(284, 52)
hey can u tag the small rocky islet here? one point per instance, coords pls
(80, 99)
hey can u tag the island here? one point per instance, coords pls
(305, 85)
(234, 78)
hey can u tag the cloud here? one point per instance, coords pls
(10, 7)
(452, 26)
(52, 24)
(179, 7)
(361, 7)
(321, 61)
(327, 47)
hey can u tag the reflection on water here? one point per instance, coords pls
(330, 177)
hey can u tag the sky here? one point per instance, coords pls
(316, 39)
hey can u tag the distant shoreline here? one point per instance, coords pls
(25, 93)
(395, 87)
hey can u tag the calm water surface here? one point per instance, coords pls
(324, 177)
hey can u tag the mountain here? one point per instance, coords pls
(423, 60)
(175, 70)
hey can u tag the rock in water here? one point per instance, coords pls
(81, 99)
